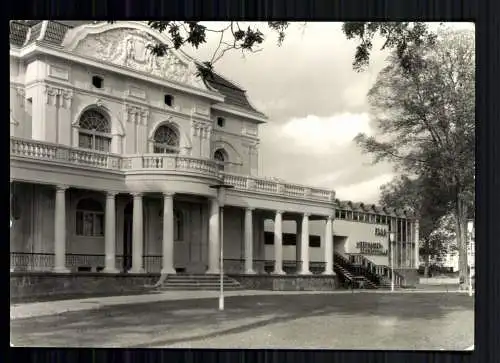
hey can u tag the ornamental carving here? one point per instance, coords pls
(129, 48)
(136, 114)
(201, 129)
(58, 97)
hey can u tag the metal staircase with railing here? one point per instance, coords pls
(357, 269)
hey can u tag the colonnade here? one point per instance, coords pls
(168, 237)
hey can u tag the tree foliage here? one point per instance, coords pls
(425, 117)
(402, 37)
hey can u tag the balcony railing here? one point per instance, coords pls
(40, 150)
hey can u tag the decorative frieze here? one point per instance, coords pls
(201, 129)
(136, 114)
(21, 95)
(58, 96)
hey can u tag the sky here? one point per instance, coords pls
(316, 104)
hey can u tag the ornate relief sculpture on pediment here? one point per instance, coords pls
(129, 48)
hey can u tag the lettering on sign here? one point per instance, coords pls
(371, 248)
(380, 232)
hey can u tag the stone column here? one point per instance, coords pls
(137, 234)
(110, 233)
(416, 240)
(168, 234)
(278, 245)
(249, 242)
(213, 238)
(304, 245)
(60, 230)
(329, 246)
(298, 246)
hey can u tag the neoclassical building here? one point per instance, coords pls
(114, 153)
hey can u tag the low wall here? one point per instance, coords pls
(288, 282)
(30, 286)
(410, 274)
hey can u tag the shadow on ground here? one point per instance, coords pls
(172, 322)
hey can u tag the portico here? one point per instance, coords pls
(91, 230)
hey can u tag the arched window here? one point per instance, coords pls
(220, 156)
(166, 140)
(89, 218)
(95, 131)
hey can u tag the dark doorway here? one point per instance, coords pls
(127, 236)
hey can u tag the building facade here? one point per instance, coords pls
(114, 153)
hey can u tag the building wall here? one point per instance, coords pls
(346, 236)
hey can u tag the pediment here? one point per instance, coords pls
(127, 46)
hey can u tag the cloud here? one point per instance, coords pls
(367, 191)
(322, 135)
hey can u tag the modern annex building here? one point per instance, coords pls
(113, 152)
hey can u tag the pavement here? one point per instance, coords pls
(414, 320)
(36, 309)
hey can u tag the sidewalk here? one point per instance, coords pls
(29, 310)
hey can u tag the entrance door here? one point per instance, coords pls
(127, 237)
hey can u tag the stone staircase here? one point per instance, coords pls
(196, 282)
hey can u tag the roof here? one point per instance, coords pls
(24, 32)
(372, 208)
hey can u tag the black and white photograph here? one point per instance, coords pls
(246, 185)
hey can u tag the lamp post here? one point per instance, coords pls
(221, 197)
(391, 240)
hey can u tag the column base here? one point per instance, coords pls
(328, 273)
(60, 270)
(212, 272)
(168, 271)
(278, 273)
(306, 272)
(110, 270)
(250, 272)
(136, 271)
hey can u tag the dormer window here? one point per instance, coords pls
(169, 100)
(97, 81)
(221, 121)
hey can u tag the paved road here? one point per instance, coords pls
(330, 321)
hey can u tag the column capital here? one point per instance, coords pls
(137, 194)
(249, 209)
(306, 215)
(61, 188)
(168, 194)
(111, 194)
(330, 217)
(279, 211)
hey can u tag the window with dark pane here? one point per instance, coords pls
(166, 140)
(89, 218)
(94, 131)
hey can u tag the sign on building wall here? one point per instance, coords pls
(371, 248)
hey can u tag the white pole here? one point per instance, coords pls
(392, 267)
(221, 242)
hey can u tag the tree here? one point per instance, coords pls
(425, 114)
(423, 196)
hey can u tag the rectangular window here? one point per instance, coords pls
(337, 213)
(269, 238)
(314, 241)
(342, 214)
(89, 224)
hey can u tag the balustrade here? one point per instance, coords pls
(39, 150)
